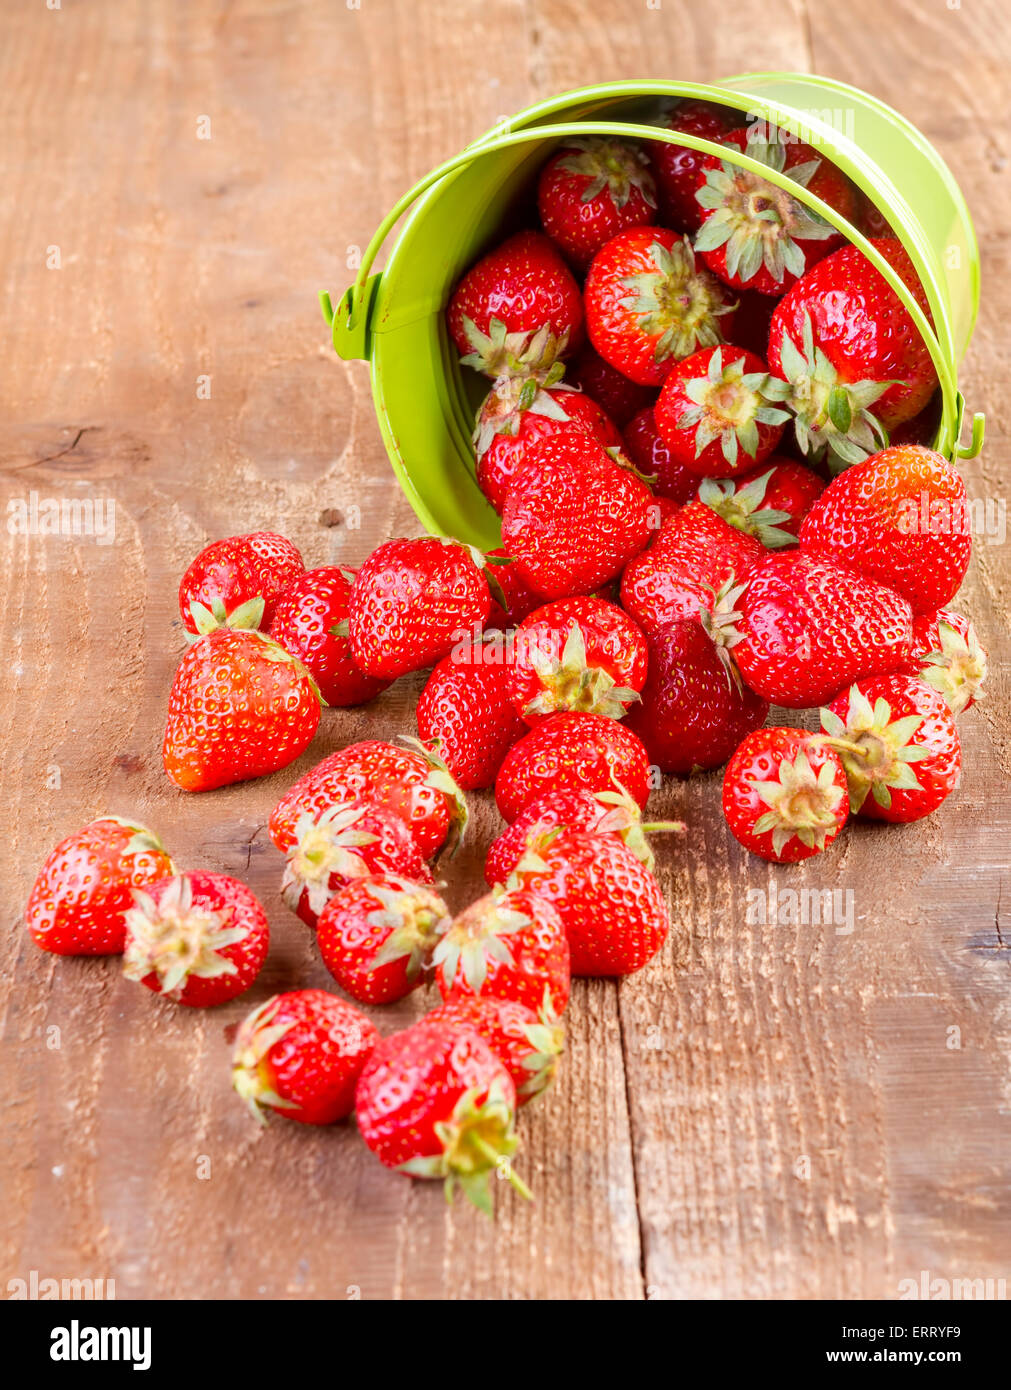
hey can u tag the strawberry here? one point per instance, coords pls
(435, 1102)
(768, 502)
(528, 1044)
(784, 795)
(648, 450)
(898, 742)
(695, 556)
(591, 190)
(756, 236)
(610, 904)
(301, 1054)
(411, 601)
(899, 517)
(517, 594)
(714, 414)
(240, 707)
(618, 397)
(376, 936)
(574, 517)
(572, 752)
(521, 287)
(347, 841)
(84, 888)
(843, 342)
(235, 582)
(507, 945)
(604, 813)
(515, 414)
(948, 655)
(676, 167)
(693, 712)
(466, 711)
(305, 619)
(198, 938)
(752, 321)
(810, 627)
(649, 303)
(576, 654)
(411, 782)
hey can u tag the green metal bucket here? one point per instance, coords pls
(395, 320)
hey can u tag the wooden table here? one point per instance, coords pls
(770, 1110)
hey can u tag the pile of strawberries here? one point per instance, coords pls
(665, 576)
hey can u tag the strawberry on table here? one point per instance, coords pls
(899, 517)
(768, 502)
(572, 752)
(198, 938)
(376, 936)
(466, 711)
(591, 190)
(714, 413)
(618, 397)
(785, 795)
(948, 655)
(898, 742)
(507, 945)
(78, 901)
(648, 450)
(235, 582)
(240, 707)
(300, 1054)
(528, 1044)
(676, 167)
(306, 616)
(649, 303)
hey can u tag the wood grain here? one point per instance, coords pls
(773, 1109)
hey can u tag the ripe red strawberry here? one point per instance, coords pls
(572, 752)
(693, 712)
(519, 288)
(757, 236)
(198, 938)
(844, 343)
(810, 627)
(466, 705)
(784, 795)
(507, 945)
(77, 903)
(240, 707)
(411, 782)
(676, 167)
(301, 1054)
(899, 517)
(752, 320)
(714, 414)
(345, 842)
(574, 517)
(695, 556)
(647, 448)
(306, 616)
(516, 413)
(768, 502)
(528, 1044)
(610, 904)
(604, 813)
(436, 1102)
(898, 742)
(519, 598)
(649, 303)
(376, 936)
(411, 601)
(235, 582)
(618, 397)
(591, 190)
(948, 655)
(578, 654)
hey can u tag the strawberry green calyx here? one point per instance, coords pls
(875, 749)
(677, 302)
(958, 668)
(470, 941)
(142, 841)
(174, 939)
(251, 1076)
(440, 779)
(742, 508)
(479, 1138)
(499, 353)
(417, 918)
(800, 803)
(547, 1041)
(614, 165)
(568, 683)
(248, 616)
(729, 404)
(831, 416)
(624, 818)
(324, 846)
(510, 399)
(719, 621)
(759, 223)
